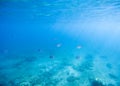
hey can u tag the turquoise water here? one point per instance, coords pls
(59, 43)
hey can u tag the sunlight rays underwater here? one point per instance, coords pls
(59, 43)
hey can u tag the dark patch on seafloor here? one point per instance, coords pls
(87, 64)
(112, 76)
(97, 83)
(25, 60)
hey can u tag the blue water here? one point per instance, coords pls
(59, 43)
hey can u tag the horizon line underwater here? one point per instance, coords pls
(59, 43)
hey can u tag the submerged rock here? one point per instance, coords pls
(110, 85)
(2, 84)
(25, 84)
(36, 80)
(97, 83)
(38, 85)
(87, 65)
(71, 79)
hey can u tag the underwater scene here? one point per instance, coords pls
(59, 42)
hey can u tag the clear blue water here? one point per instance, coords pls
(59, 43)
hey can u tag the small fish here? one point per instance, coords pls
(77, 57)
(59, 45)
(79, 47)
(51, 56)
(39, 50)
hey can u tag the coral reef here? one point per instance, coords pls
(60, 73)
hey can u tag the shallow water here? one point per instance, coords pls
(59, 43)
